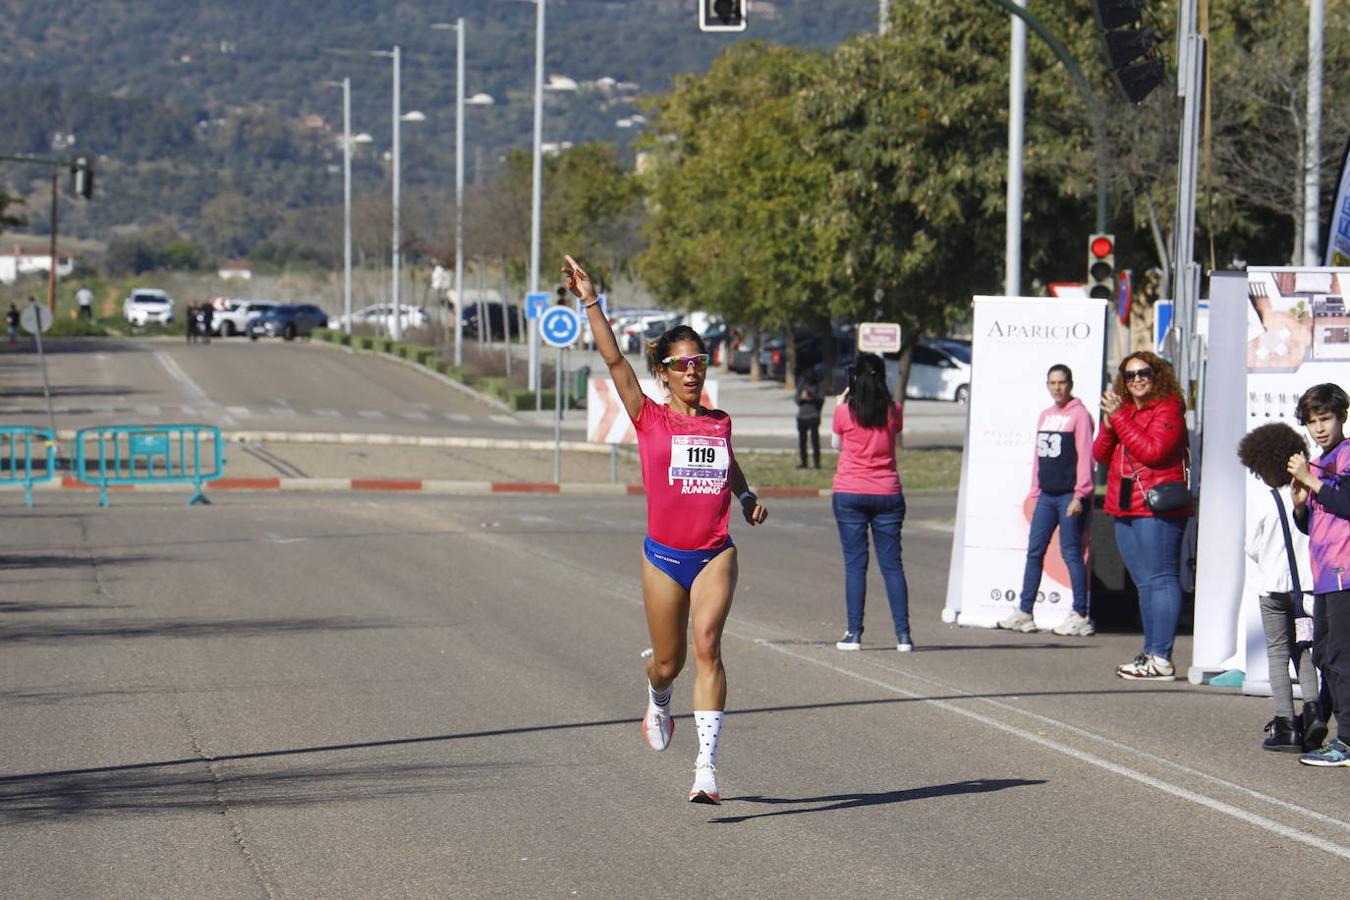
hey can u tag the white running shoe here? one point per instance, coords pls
(1148, 668)
(1024, 622)
(657, 726)
(705, 785)
(1075, 625)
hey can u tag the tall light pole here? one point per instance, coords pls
(1312, 145)
(1017, 81)
(458, 29)
(396, 329)
(535, 192)
(346, 85)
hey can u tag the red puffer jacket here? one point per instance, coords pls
(1150, 439)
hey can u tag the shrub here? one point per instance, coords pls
(523, 399)
(76, 328)
(492, 386)
(425, 356)
(363, 342)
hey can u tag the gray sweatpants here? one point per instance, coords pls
(1277, 618)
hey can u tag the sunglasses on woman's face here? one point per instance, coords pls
(697, 362)
(1142, 374)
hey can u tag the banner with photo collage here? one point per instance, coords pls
(1015, 341)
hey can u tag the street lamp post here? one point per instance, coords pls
(535, 192)
(346, 85)
(397, 329)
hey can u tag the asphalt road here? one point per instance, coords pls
(356, 696)
(273, 386)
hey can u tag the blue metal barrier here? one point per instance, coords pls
(112, 455)
(16, 458)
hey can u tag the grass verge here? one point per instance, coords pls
(919, 469)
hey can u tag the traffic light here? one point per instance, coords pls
(1101, 280)
(83, 175)
(1131, 50)
(721, 15)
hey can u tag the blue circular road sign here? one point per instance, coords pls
(559, 326)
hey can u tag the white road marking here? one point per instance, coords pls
(415, 415)
(1159, 784)
(327, 413)
(280, 411)
(371, 414)
(240, 411)
(457, 417)
(503, 419)
(194, 390)
(148, 410)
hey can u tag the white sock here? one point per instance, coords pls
(709, 724)
(659, 698)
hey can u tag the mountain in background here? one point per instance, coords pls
(196, 111)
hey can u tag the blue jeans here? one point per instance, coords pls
(1052, 510)
(885, 514)
(1151, 549)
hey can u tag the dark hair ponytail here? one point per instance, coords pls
(869, 399)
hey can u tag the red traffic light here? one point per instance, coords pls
(1101, 247)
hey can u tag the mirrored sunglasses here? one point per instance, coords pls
(698, 362)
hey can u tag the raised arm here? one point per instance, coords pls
(625, 379)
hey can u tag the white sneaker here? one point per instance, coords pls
(1148, 668)
(1024, 622)
(705, 785)
(1075, 625)
(657, 726)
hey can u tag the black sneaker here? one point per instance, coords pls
(852, 640)
(1314, 726)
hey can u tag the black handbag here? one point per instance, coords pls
(1166, 496)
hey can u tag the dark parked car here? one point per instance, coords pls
(810, 354)
(289, 321)
(499, 315)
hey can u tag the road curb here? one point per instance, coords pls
(409, 485)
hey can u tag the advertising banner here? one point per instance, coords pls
(1016, 340)
(1298, 335)
(607, 421)
(1338, 235)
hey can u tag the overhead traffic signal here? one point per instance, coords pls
(722, 15)
(83, 175)
(1131, 50)
(1101, 280)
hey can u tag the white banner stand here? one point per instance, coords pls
(1016, 340)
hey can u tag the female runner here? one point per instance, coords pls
(689, 567)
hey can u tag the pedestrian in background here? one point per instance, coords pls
(810, 399)
(1061, 493)
(12, 319)
(867, 496)
(208, 314)
(85, 298)
(1321, 494)
(1280, 553)
(1143, 443)
(190, 323)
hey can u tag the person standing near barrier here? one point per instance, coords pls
(1143, 443)
(689, 473)
(1061, 491)
(1322, 511)
(810, 399)
(85, 298)
(1280, 553)
(12, 319)
(190, 323)
(208, 314)
(867, 496)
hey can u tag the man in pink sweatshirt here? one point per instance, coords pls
(1061, 488)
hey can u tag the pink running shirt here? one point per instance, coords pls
(685, 465)
(866, 455)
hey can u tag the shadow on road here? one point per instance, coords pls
(834, 802)
(184, 628)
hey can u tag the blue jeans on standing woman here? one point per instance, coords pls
(1151, 549)
(1052, 511)
(884, 514)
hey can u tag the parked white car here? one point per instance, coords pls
(940, 370)
(232, 316)
(146, 306)
(381, 316)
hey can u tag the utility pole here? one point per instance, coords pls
(1312, 158)
(536, 192)
(1017, 89)
(51, 270)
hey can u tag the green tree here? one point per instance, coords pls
(735, 196)
(8, 219)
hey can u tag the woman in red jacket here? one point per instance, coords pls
(1142, 442)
